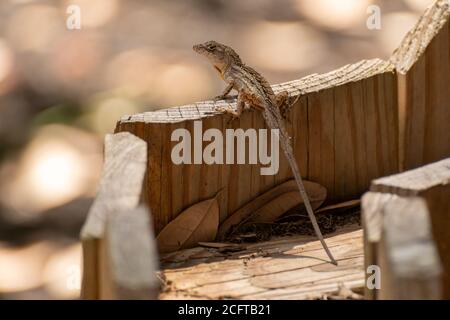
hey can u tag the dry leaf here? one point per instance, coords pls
(342, 205)
(272, 204)
(197, 223)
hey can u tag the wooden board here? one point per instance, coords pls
(287, 268)
(406, 222)
(344, 134)
(113, 267)
(423, 66)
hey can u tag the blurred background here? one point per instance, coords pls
(62, 90)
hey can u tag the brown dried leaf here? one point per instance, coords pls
(272, 204)
(197, 223)
(342, 205)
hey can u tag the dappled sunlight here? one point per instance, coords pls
(104, 113)
(182, 83)
(53, 170)
(395, 27)
(34, 27)
(62, 273)
(77, 55)
(334, 14)
(284, 46)
(419, 5)
(133, 72)
(6, 66)
(95, 13)
(21, 268)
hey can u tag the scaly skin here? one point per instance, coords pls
(254, 91)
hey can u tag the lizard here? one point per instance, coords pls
(254, 91)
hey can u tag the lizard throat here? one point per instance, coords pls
(223, 69)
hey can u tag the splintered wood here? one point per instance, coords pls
(288, 268)
(343, 129)
(406, 224)
(423, 65)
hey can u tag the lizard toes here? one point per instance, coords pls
(221, 109)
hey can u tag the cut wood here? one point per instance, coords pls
(287, 268)
(406, 221)
(120, 190)
(423, 65)
(130, 254)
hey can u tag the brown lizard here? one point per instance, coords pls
(255, 91)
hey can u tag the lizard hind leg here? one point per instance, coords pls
(284, 104)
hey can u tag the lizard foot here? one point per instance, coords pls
(234, 115)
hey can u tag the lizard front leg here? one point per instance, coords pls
(240, 104)
(225, 92)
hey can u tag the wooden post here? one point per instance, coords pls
(423, 66)
(344, 133)
(119, 194)
(406, 221)
(130, 256)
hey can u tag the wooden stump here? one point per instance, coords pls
(406, 218)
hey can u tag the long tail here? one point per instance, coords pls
(274, 121)
(305, 197)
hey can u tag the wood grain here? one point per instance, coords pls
(286, 268)
(422, 62)
(406, 223)
(120, 189)
(130, 256)
(340, 140)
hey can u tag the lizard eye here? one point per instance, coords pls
(211, 47)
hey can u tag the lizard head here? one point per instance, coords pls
(218, 54)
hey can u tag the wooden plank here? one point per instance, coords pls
(423, 65)
(130, 257)
(406, 223)
(290, 267)
(372, 219)
(411, 268)
(90, 281)
(120, 189)
(415, 182)
(329, 127)
(321, 139)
